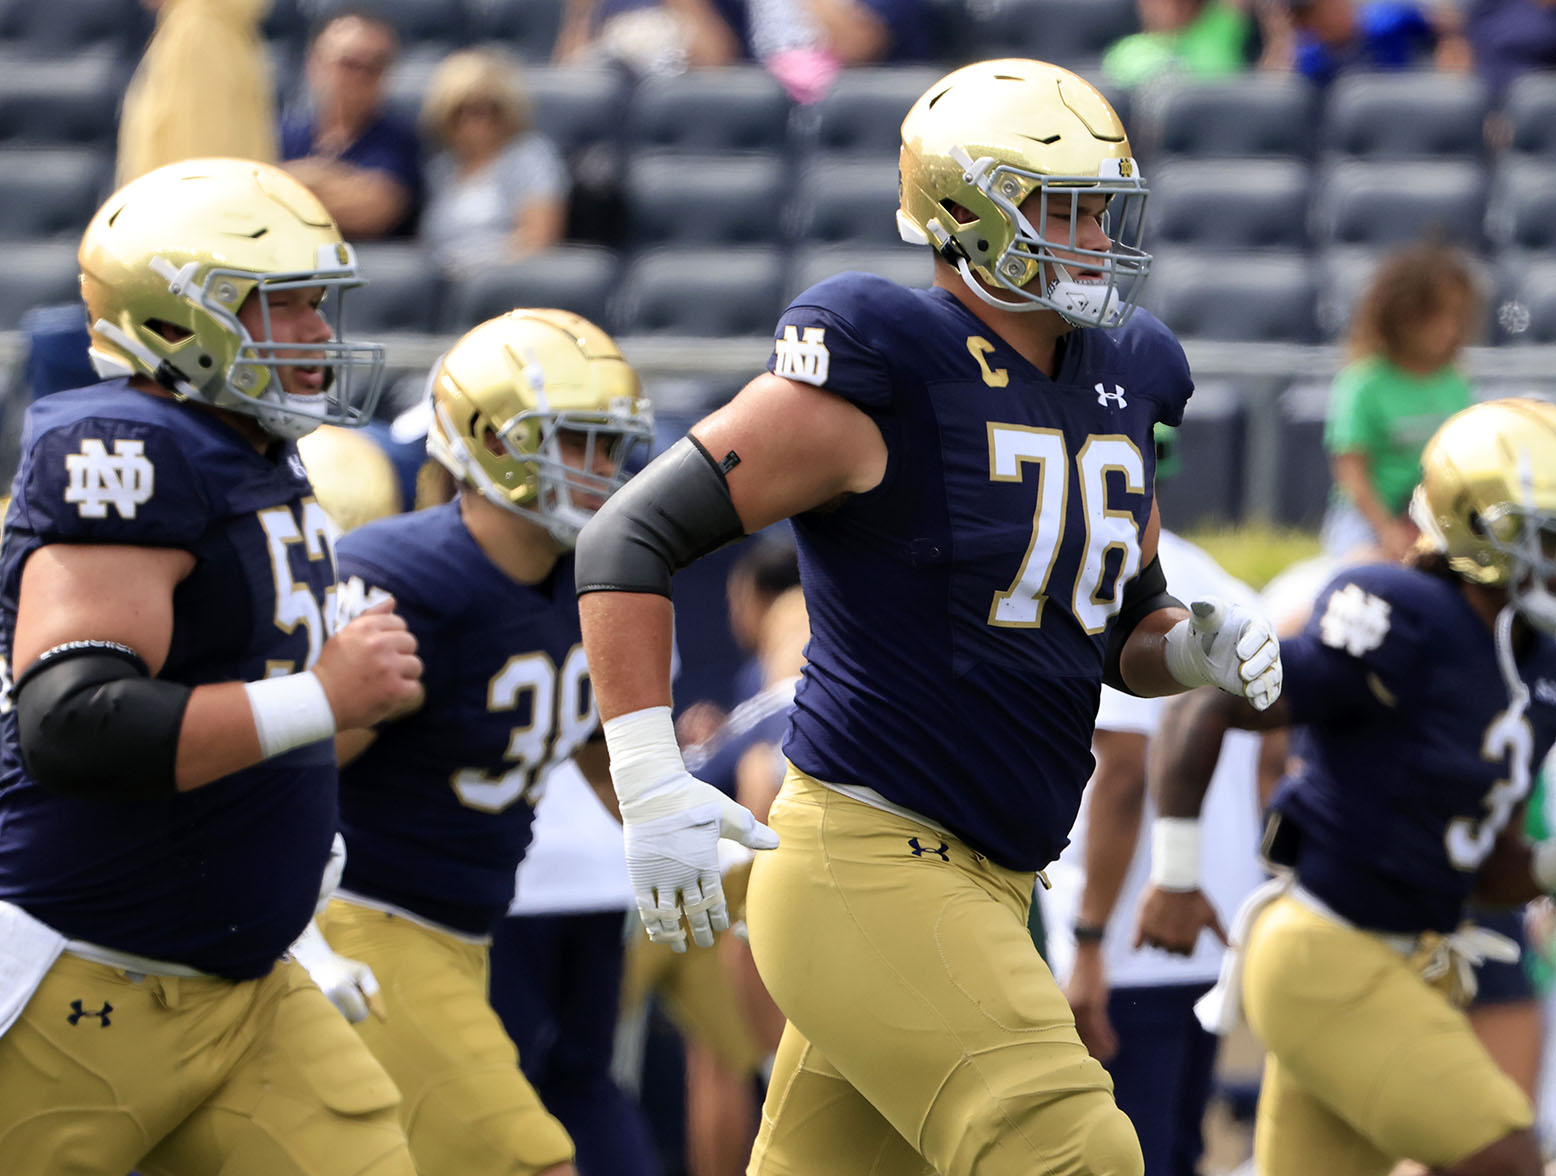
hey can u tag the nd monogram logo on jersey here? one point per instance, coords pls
(1113, 399)
(99, 480)
(803, 357)
(1355, 621)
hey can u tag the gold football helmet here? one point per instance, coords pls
(353, 478)
(171, 257)
(1487, 500)
(512, 396)
(989, 135)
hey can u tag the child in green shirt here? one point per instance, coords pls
(1402, 383)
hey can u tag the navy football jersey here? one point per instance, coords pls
(959, 610)
(224, 877)
(437, 812)
(1411, 759)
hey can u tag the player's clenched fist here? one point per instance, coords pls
(369, 669)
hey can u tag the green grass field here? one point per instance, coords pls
(1256, 552)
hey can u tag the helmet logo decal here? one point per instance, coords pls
(1113, 399)
(98, 480)
(803, 357)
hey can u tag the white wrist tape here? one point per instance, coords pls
(290, 711)
(1542, 864)
(643, 751)
(1185, 658)
(1175, 853)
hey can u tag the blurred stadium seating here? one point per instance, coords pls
(1271, 201)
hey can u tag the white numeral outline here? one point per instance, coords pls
(295, 603)
(1020, 606)
(1469, 841)
(562, 717)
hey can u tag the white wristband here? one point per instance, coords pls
(1175, 853)
(1542, 864)
(290, 711)
(643, 751)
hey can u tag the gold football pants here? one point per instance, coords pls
(105, 1072)
(468, 1110)
(925, 1032)
(1368, 1063)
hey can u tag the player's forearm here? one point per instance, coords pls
(627, 639)
(218, 736)
(1143, 660)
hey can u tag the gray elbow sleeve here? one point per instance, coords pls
(674, 512)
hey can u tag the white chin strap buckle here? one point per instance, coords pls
(1092, 302)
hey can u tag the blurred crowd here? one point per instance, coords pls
(477, 184)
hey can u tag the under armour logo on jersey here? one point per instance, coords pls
(803, 357)
(1355, 621)
(921, 850)
(77, 1012)
(1544, 691)
(99, 479)
(1113, 399)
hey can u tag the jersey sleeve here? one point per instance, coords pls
(101, 480)
(1360, 654)
(826, 338)
(1157, 364)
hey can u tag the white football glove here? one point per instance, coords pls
(672, 823)
(1225, 645)
(350, 984)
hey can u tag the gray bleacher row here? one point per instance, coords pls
(1058, 30)
(721, 159)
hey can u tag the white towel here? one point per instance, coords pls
(28, 950)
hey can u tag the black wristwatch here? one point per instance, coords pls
(1088, 932)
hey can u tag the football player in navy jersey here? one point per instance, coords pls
(1425, 699)
(968, 469)
(533, 413)
(167, 777)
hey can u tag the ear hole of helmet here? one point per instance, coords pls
(493, 442)
(172, 332)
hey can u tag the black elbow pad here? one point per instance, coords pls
(92, 722)
(1143, 595)
(674, 512)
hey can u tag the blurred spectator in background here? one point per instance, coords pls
(496, 189)
(763, 572)
(1510, 37)
(360, 160)
(1331, 36)
(647, 36)
(202, 89)
(1201, 38)
(804, 43)
(1402, 382)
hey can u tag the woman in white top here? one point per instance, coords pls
(496, 189)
